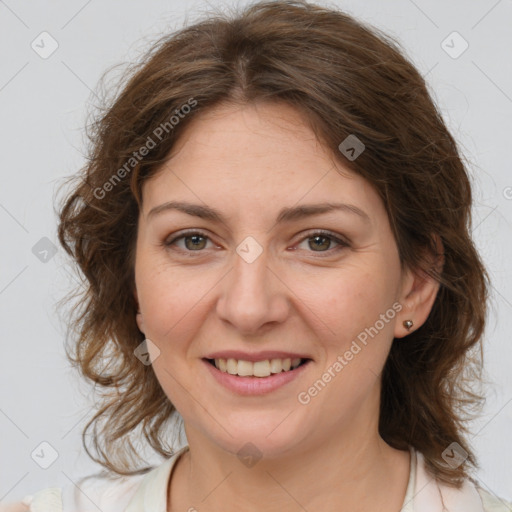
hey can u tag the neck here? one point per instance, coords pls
(343, 475)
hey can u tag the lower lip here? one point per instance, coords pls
(254, 385)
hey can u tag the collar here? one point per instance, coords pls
(432, 495)
(423, 494)
(151, 495)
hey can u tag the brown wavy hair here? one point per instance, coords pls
(345, 78)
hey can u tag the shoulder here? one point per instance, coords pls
(493, 503)
(103, 492)
(431, 494)
(94, 492)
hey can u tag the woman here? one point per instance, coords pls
(273, 226)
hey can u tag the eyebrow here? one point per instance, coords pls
(285, 215)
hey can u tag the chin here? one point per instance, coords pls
(270, 437)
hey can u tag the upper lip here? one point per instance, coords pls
(256, 356)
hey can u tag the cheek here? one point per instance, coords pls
(170, 298)
(166, 308)
(355, 338)
(348, 301)
(347, 318)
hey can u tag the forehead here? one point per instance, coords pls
(260, 156)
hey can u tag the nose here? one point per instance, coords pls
(253, 296)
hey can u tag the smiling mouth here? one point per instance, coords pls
(264, 368)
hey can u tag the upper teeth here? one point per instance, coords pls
(258, 368)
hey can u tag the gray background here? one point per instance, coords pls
(43, 105)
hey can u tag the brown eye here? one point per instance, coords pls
(319, 242)
(322, 241)
(193, 241)
(196, 242)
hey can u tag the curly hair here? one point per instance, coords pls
(345, 78)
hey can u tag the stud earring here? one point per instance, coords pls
(408, 324)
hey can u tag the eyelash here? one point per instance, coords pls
(320, 232)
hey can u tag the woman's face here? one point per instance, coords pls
(262, 280)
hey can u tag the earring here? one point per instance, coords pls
(408, 324)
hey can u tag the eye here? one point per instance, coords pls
(321, 241)
(194, 241)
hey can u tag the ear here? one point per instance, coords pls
(418, 292)
(139, 319)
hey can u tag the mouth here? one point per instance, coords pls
(261, 369)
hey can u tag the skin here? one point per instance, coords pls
(248, 162)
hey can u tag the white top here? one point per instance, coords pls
(148, 493)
